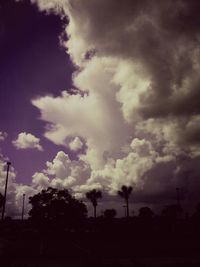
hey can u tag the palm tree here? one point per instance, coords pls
(125, 193)
(1, 200)
(93, 195)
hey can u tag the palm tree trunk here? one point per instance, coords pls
(127, 207)
(95, 211)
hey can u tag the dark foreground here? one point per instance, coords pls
(104, 244)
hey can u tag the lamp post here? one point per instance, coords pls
(5, 192)
(23, 200)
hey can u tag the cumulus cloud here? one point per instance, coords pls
(62, 172)
(40, 180)
(137, 104)
(27, 140)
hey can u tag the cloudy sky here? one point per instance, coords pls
(101, 93)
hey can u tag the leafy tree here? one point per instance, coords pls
(1, 200)
(93, 196)
(145, 213)
(110, 213)
(56, 206)
(125, 193)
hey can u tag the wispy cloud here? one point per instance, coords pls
(3, 136)
(76, 144)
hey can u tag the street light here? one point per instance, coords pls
(5, 192)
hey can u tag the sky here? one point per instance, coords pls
(98, 94)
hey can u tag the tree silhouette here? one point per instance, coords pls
(56, 206)
(93, 196)
(125, 193)
(110, 213)
(1, 200)
(145, 213)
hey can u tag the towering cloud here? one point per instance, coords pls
(136, 104)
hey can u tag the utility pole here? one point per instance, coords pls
(23, 200)
(178, 197)
(5, 192)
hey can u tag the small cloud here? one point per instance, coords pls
(3, 136)
(27, 140)
(76, 144)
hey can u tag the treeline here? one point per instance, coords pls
(59, 226)
(53, 207)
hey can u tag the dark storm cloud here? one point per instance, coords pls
(163, 35)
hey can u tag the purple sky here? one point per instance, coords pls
(32, 64)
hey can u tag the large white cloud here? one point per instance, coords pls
(137, 104)
(27, 140)
(96, 116)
